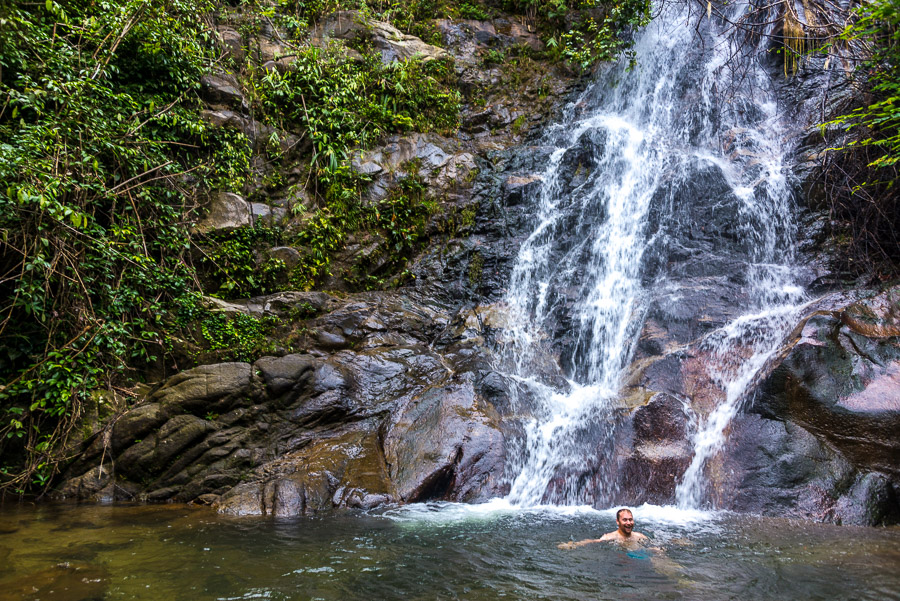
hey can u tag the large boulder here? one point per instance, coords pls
(660, 451)
(223, 90)
(822, 430)
(380, 408)
(226, 211)
(343, 470)
(446, 444)
(818, 436)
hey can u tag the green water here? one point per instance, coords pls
(72, 553)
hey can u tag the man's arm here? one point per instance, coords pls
(571, 545)
(581, 543)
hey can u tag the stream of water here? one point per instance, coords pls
(690, 125)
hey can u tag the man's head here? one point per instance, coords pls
(625, 521)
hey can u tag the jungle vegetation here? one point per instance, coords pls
(105, 160)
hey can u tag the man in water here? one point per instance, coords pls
(624, 534)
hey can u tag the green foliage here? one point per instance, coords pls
(467, 216)
(307, 12)
(400, 219)
(403, 215)
(240, 337)
(877, 25)
(493, 56)
(101, 144)
(860, 177)
(601, 31)
(520, 123)
(592, 40)
(343, 104)
(477, 12)
(103, 155)
(228, 261)
(414, 17)
(321, 236)
(476, 268)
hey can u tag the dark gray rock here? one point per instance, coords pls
(841, 381)
(135, 424)
(263, 214)
(306, 432)
(223, 90)
(821, 441)
(871, 500)
(204, 388)
(445, 445)
(282, 374)
(660, 452)
(288, 255)
(232, 43)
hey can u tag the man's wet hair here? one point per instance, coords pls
(624, 509)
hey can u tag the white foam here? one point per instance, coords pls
(671, 515)
(445, 513)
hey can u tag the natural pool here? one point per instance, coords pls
(439, 551)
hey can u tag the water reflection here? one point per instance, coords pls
(437, 551)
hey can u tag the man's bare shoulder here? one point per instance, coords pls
(639, 536)
(614, 535)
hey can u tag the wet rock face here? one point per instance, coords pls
(473, 265)
(845, 387)
(380, 409)
(446, 444)
(840, 382)
(659, 452)
(818, 437)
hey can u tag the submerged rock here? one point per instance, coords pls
(66, 581)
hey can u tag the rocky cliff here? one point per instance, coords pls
(394, 396)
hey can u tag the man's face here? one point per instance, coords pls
(625, 522)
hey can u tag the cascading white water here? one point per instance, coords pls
(610, 215)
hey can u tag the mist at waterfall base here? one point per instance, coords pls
(658, 177)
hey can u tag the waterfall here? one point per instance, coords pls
(641, 166)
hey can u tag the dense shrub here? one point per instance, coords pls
(101, 150)
(861, 181)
